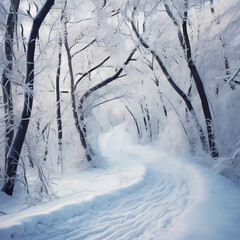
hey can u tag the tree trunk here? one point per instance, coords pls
(74, 106)
(173, 84)
(59, 115)
(99, 86)
(6, 77)
(136, 123)
(16, 147)
(200, 87)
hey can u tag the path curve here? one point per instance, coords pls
(175, 199)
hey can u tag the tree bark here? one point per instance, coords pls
(184, 47)
(200, 87)
(136, 123)
(59, 115)
(172, 83)
(6, 77)
(16, 146)
(74, 105)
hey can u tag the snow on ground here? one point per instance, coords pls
(143, 193)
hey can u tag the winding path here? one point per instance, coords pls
(140, 210)
(175, 199)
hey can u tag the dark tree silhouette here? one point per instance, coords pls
(59, 116)
(6, 76)
(177, 89)
(16, 146)
(200, 87)
(74, 105)
(100, 85)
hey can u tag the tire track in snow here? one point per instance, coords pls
(130, 213)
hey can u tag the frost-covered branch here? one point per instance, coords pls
(16, 146)
(170, 80)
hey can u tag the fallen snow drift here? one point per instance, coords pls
(141, 194)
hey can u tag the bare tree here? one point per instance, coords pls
(100, 85)
(169, 78)
(16, 146)
(199, 85)
(72, 81)
(58, 103)
(7, 75)
(183, 37)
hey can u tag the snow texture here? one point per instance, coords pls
(140, 193)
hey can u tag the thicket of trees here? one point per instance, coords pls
(73, 69)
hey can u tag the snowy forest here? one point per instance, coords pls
(105, 100)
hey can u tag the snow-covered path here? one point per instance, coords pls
(172, 198)
(145, 207)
